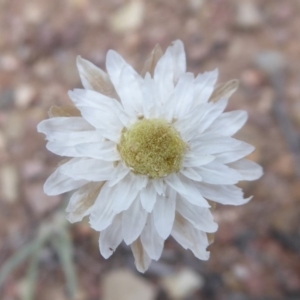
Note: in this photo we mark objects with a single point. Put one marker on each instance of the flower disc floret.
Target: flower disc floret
(152, 147)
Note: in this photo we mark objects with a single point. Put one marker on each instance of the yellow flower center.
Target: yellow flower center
(152, 147)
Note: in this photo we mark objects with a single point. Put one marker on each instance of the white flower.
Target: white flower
(148, 153)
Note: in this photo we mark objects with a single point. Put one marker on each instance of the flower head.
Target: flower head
(148, 153)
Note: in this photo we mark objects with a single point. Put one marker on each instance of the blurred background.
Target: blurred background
(256, 250)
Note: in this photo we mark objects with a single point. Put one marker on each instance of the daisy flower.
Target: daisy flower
(148, 155)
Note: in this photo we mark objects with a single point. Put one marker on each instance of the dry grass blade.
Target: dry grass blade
(63, 245)
(12, 263)
(32, 274)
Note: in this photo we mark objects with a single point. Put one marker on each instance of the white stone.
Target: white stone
(123, 284)
(128, 17)
(182, 284)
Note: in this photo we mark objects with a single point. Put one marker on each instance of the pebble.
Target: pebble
(248, 15)
(44, 69)
(129, 17)
(24, 95)
(183, 284)
(241, 271)
(195, 5)
(123, 284)
(94, 17)
(9, 182)
(9, 62)
(33, 13)
(252, 78)
(271, 62)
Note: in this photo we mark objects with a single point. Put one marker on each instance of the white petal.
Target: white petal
(193, 118)
(99, 109)
(111, 134)
(200, 217)
(228, 123)
(129, 90)
(133, 221)
(64, 133)
(189, 125)
(141, 258)
(164, 213)
(114, 66)
(94, 99)
(235, 154)
(148, 197)
(58, 183)
(190, 238)
(159, 186)
(187, 189)
(59, 149)
(103, 211)
(218, 173)
(247, 168)
(194, 159)
(225, 149)
(178, 56)
(224, 194)
(87, 169)
(63, 124)
(183, 95)
(191, 174)
(163, 76)
(207, 143)
(150, 102)
(204, 86)
(100, 118)
(212, 114)
(119, 172)
(126, 191)
(74, 138)
(93, 78)
(151, 241)
(82, 201)
(105, 150)
(111, 237)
